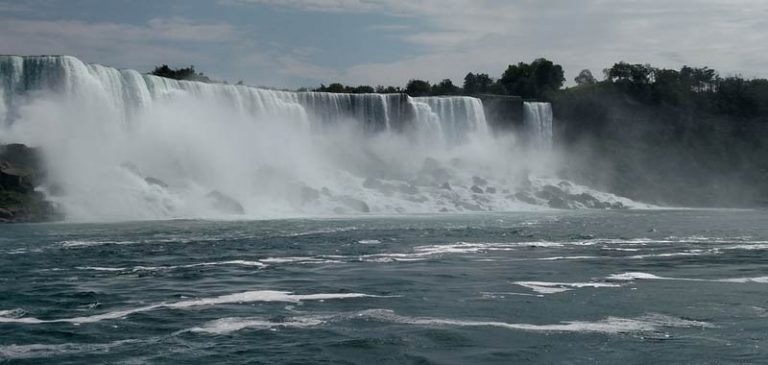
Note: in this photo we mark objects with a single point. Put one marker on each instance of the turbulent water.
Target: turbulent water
(120, 145)
(548, 287)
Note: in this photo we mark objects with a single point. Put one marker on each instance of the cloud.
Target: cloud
(159, 40)
(485, 35)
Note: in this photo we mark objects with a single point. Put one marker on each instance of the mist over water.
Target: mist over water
(120, 145)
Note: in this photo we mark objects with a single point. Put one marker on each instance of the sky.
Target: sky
(296, 43)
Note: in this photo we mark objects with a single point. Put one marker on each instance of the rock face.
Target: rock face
(20, 172)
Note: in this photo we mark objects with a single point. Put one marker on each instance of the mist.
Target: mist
(119, 145)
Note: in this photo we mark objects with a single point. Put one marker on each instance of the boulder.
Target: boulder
(525, 198)
(558, 203)
(477, 190)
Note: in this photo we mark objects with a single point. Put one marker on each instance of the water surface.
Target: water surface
(546, 287)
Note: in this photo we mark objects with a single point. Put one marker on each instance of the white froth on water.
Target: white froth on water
(545, 287)
(609, 325)
(228, 325)
(32, 351)
(174, 267)
(244, 297)
(631, 276)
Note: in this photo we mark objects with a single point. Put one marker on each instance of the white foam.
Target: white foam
(610, 325)
(244, 297)
(174, 267)
(760, 279)
(674, 254)
(369, 242)
(561, 258)
(32, 351)
(228, 325)
(300, 260)
(631, 276)
(545, 287)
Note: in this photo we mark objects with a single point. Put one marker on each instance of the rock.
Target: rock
(549, 192)
(479, 181)
(446, 186)
(224, 203)
(565, 184)
(558, 203)
(589, 201)
(477, 190)
(526, 198)
(618, 205)
(21, 171)
(154, 181)
(490, 190)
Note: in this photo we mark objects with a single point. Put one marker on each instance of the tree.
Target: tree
(477, 84)
(536, 80)
(363, 89)
(418, 88)
(187, 73)
(445, 87)
(585, 78)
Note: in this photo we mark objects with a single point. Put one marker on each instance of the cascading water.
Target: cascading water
(123, 145)
(537, 118)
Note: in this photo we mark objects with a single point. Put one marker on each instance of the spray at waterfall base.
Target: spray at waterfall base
(120, 145)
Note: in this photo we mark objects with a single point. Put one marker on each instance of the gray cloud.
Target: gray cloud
(484, 35)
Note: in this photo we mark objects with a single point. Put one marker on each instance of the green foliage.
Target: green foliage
(537, 80)
(187, 73)
(585, 78)
(478, 84)
(339, 89)
(418, 88)
(446, 87)
(685, 136)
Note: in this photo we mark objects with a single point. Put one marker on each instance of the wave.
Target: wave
(244, 297)
(632, 276)
(609, 325)
(545, 287)
(174, 267)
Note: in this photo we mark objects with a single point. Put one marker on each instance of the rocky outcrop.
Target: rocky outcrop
(20, 173)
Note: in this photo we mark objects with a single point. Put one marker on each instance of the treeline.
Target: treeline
(537, 80)
(687, 136)
(184, 73)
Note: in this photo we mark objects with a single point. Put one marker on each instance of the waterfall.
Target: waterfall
(459, 117)
(120, 145)
(537, 118)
